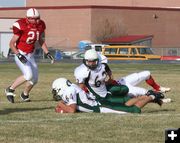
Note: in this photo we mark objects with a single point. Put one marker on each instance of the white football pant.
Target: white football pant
(29, 69)
(108, 110)
(134, 79)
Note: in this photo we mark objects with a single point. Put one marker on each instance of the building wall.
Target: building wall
(68, 24)
(65, 28)
(143, 3)
(6, 25)
(164, 25)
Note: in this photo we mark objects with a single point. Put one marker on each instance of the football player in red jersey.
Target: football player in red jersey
(27, 31)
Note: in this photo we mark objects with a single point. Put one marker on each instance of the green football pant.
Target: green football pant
(118, 90)
(116, 99)
(120, 107)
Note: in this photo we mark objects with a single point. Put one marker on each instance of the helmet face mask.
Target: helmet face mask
(58, 87)
(93, 64)
(56, 97)
(91, 59)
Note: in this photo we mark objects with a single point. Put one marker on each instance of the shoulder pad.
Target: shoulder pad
(81, 71)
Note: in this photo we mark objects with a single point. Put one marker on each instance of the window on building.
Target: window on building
(12, 3)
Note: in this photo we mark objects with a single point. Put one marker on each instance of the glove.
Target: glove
(50, 57)
(22, 58)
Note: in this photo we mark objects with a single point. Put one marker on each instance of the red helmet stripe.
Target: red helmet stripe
(33, 11)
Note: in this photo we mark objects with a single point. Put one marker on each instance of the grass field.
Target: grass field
(36, 121)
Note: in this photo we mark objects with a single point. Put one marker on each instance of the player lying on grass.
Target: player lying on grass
(73, 99)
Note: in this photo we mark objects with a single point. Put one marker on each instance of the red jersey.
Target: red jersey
(28, 34)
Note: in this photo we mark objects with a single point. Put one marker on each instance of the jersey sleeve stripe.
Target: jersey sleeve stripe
(16, 24)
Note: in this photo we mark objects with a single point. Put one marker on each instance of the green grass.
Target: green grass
(36, 121)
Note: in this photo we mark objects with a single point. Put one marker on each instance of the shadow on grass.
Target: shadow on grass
(12, 110)
(161, 111)
(34, 100)
(45, 100)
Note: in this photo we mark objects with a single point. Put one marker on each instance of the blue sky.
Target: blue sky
(12, 3)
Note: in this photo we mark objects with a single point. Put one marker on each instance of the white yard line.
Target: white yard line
(46, 120)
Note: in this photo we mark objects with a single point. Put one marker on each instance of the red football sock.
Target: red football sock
(114, 82)
(152, 83)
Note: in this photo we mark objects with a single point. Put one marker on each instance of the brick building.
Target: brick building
(70, 21)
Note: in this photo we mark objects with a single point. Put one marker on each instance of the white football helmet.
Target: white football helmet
(58, 87)
(32, 13)
(91, 56)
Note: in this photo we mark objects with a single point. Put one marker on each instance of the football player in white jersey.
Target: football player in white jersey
(132, 81)
(93, 76)
(73, 99)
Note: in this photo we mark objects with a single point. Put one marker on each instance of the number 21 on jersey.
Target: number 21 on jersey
(32, 37)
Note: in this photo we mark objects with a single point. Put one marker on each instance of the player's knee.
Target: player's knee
(119, 90)
(146, 74)
(124, 89)
(28, 76)
(34, 81)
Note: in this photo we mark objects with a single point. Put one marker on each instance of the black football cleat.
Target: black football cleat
(158, 96)
(10, 94)
(25, 98)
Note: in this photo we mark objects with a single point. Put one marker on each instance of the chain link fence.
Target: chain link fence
(167, 51)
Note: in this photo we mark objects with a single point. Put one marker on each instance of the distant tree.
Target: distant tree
(108, 29)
